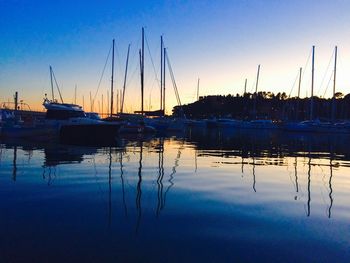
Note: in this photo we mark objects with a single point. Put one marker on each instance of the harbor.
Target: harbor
(174, 131)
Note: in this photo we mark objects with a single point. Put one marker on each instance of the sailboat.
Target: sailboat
(315, 125)
(258, 123)
(135, 123)
(311, 124)
(158, 119)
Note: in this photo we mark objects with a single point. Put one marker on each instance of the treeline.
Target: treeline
(266, 105)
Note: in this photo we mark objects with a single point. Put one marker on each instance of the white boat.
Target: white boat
(75, 127)
(62, 114)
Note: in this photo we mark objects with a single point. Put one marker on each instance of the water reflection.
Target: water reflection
(205, 184)
(123, 183)
(263, 149)
(160, 199)
(14, 171)
(139, 190)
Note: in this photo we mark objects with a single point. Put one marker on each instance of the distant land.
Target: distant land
(266, 105)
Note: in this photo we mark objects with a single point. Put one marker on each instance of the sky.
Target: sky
(222, 42)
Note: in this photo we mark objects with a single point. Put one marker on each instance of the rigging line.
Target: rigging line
(133, 55)
(296, 78)
(173, 80)
(129, 82)
(306, 64)
(103, 71)
(330, 79)
(154, 68)
(119, 64)
(305, 67)
(325, 73)
(58, 88)
(132, 75)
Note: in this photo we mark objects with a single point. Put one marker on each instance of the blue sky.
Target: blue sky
(221, 42)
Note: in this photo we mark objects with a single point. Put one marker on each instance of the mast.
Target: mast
(125, 76)
(299, 86)
(334, 78)
(142, 64)
(198, 89)
(164, 56)
(15, 97)
(16, 100)
(161, 73)
(52, 92)
(257, 80)
(256, 90)
(245, 87)
(312, 84)
(112, 79)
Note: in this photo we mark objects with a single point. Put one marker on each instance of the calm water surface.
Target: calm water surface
(202, 196)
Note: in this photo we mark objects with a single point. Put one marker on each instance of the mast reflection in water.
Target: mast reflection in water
(215, 195)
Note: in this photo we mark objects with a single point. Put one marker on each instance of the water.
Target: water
(202, 196)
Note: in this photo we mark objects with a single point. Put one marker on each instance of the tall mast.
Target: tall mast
(164, 56)
(198, 89)
(312, 84)
(112, 79)
(16, 101)
(142, 60)
(125, 76)
(334, 78)
(299, 86)
(245, 87)
(256, 90)
(161, 73)
(257, 80)
(52, 92)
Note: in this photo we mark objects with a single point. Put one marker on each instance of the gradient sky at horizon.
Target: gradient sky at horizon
(221, 42)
